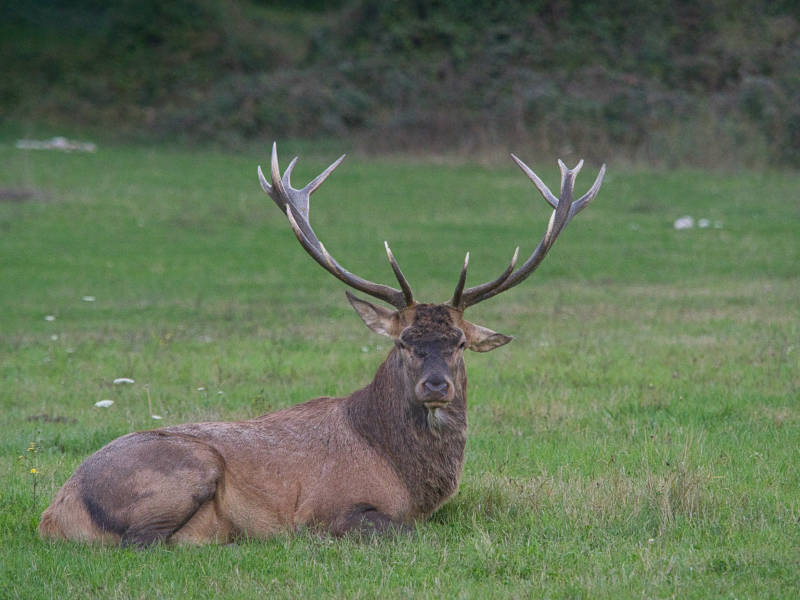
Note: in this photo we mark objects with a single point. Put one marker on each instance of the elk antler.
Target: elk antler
(564, 209)
(295, 203)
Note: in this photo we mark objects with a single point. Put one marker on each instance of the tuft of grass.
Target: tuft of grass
(639, 438)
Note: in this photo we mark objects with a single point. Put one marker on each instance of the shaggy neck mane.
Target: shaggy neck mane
(426, 450)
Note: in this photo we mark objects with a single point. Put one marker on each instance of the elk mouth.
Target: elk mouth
(434, 404)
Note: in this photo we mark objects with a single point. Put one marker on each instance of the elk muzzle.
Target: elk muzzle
(435, 388)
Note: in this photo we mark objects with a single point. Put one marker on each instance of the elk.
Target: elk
(377, 460)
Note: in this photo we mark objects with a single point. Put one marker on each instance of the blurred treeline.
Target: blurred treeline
(660, 81)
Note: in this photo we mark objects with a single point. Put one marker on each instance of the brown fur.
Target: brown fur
(381, 458)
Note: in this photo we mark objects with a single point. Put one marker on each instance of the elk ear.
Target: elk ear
(379, 319)
(482, 339)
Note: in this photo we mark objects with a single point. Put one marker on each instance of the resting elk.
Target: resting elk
(380, 459)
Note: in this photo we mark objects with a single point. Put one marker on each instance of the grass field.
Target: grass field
(640, 438)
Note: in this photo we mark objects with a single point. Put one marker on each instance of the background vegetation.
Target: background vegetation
(639, 438)
(652, 81)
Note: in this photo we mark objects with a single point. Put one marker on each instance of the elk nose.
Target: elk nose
(436, 385)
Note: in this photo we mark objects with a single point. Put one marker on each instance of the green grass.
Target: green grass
(639, 438)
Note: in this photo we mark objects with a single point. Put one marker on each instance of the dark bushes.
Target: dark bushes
(659, 81)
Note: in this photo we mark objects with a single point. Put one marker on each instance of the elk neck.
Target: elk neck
(426, 450)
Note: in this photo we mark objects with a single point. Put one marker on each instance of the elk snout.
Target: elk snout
(435, 390)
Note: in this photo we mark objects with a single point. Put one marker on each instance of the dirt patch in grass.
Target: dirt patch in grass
(48, 418)
(11, 195)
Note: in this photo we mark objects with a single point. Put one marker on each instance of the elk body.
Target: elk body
(385, 456)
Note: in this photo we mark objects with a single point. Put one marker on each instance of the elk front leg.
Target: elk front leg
(366, 519)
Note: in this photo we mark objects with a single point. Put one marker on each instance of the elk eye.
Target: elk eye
(462, 345)
(400, 344)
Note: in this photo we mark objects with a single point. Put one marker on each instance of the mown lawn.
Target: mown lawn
(639, 438)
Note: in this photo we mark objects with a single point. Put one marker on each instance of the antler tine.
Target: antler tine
(409, 297)
(565, 209)
(317, 181)
(584, 200)
(295, 204)
(548, 195)
(287, 174)
(463, 299)
(579, 204)
(275, 172)
(565, 169)
(455, 301)
(561, 215)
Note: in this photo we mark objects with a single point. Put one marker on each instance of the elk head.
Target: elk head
(429, 338)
